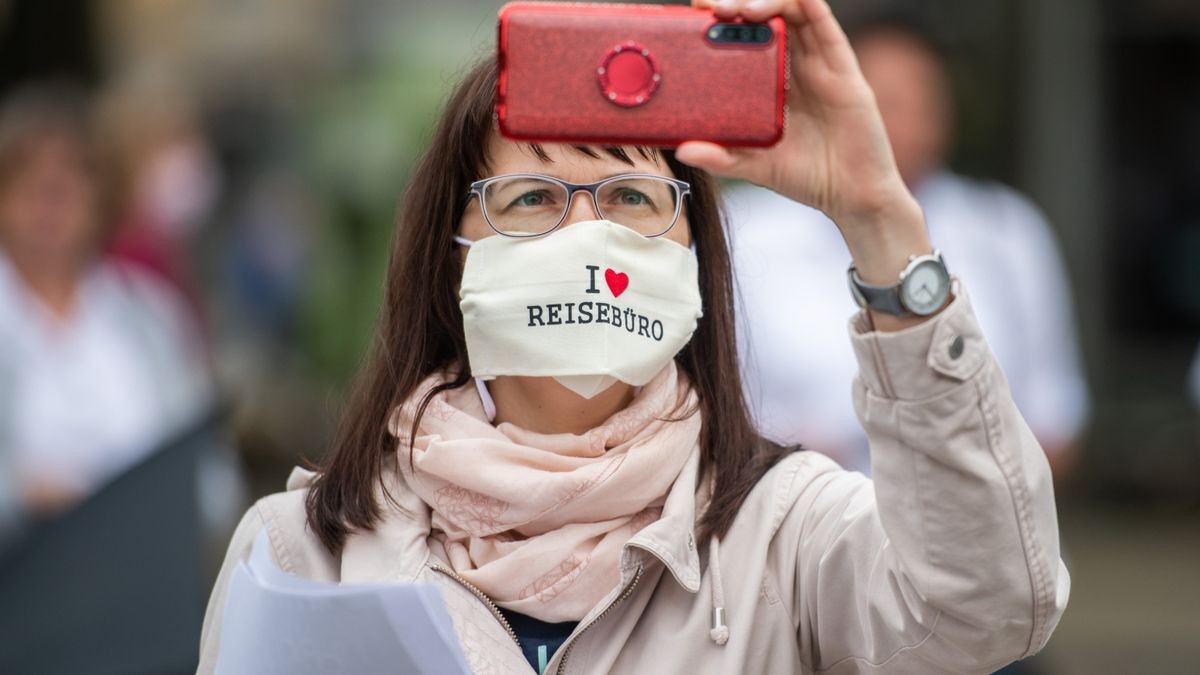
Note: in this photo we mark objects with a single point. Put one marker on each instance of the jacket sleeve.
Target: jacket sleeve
(949, 561)
(239, 550)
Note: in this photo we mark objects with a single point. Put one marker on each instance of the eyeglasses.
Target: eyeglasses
(530, 204)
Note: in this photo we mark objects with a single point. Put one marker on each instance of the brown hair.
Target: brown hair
(39, 110)
(420, 331)
(58, 110)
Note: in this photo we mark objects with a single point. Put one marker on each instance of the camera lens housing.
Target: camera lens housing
(739, 34)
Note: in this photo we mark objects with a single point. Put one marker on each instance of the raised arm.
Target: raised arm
(834, 155)
(949, 561)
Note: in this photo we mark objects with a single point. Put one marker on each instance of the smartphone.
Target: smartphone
(639, 75)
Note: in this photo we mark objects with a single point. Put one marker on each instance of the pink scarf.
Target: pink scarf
(536, 521)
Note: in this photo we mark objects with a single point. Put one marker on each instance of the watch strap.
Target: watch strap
(886, 299)
(882, 298)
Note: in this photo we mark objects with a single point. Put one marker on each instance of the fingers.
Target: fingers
(820, 20)
(824, 34)
(724, 9)
(813, 20)
(720, 161)
(704, 155)
(792, 11)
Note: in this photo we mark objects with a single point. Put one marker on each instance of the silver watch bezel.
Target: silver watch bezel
(940, 294)
(899, 293)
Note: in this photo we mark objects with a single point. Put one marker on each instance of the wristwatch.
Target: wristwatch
(922, 289)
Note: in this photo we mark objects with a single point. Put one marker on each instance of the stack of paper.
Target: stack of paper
(276, 622)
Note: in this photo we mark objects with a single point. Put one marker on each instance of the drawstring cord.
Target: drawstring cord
(720, 632)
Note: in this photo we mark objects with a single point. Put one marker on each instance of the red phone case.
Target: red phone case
(635, 75)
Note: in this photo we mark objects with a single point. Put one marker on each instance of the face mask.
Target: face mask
(589, 304)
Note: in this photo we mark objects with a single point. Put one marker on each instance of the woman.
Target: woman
(579, 523)
(100, 363)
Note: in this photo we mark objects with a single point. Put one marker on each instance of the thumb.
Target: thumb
(724, 162)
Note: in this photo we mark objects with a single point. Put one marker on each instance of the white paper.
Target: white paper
(275, 622)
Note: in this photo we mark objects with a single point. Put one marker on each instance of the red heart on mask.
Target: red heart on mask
(617, 282)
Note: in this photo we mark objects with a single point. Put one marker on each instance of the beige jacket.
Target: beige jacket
(947, 563)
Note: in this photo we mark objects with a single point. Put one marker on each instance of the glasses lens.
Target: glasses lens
(647, 205)
(523, 206)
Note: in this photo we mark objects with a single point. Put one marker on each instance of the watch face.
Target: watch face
(925, 288)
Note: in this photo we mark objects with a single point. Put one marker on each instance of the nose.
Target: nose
(581, 208)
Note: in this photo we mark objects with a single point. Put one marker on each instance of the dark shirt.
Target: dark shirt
(538, 636)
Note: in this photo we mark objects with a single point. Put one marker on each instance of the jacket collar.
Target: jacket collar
(672, 537)
(397, 548)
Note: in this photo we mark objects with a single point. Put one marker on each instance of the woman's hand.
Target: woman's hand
(834, 155)
(45, 498)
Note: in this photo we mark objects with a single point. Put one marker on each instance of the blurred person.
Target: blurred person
(269, 255)
(100, 362)
(626, 511)
(798, 367)
(166, 180)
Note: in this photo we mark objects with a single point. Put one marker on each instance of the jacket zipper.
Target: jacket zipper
(562, 664)
(482, 596)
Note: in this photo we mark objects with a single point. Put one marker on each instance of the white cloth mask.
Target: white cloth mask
(589, 304)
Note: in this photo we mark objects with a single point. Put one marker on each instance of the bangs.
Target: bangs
(619, 152)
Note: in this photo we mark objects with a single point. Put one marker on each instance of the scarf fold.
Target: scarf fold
(538, 521)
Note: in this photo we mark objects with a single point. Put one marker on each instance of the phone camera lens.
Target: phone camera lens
(730, 33)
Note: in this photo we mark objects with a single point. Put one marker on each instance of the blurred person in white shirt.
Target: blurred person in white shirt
(99, 364)
(992, 237)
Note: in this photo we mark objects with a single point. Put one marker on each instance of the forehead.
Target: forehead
(568, 162)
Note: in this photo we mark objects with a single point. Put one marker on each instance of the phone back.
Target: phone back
(636, 74)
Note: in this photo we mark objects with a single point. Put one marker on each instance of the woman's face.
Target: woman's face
(48, 206)
(570, 165)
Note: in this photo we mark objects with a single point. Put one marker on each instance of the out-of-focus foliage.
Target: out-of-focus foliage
(360, 137)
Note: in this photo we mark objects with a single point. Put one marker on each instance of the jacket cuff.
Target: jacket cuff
(925, 360)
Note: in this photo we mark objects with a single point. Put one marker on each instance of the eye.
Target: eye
(631, 197)
(531, 198)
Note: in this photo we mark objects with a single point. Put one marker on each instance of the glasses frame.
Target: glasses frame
(478, 187)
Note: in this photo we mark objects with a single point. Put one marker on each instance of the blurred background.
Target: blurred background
(206, 249)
